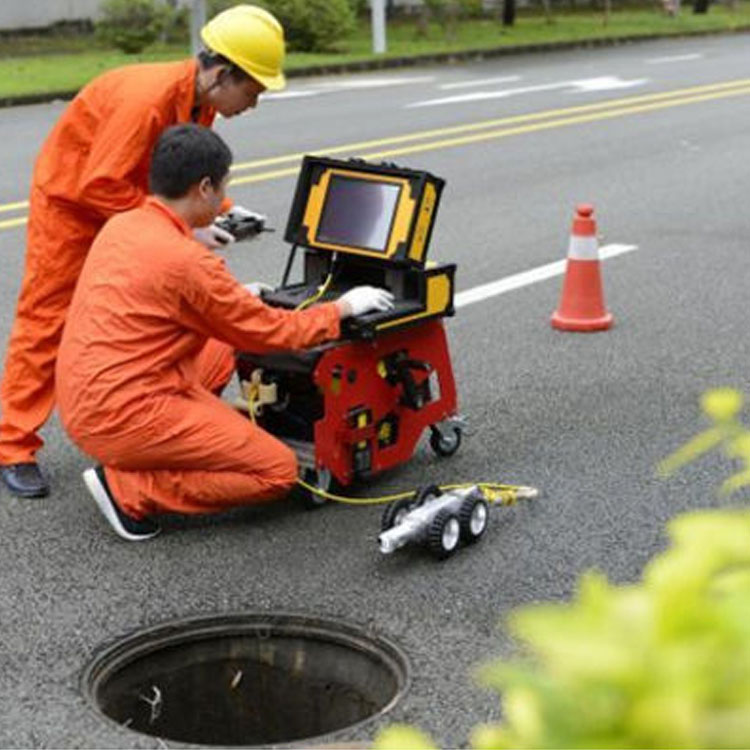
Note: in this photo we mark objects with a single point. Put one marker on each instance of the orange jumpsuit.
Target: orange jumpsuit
(150, 335)
(93, 164)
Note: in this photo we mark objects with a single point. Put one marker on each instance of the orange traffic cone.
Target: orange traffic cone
(581, 305)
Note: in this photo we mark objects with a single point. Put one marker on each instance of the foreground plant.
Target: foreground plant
(664, 663)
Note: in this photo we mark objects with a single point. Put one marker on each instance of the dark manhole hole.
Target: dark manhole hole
(246, 679)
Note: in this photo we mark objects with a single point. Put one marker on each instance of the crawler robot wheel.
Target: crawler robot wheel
(443, 534)
(428, 492)
(394, 513)
(473, 516)
(445, 445)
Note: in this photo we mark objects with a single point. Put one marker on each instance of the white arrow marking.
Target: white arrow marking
(602, 83)
(483, 82)
(509, 283)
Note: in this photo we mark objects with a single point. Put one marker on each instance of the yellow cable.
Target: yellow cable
(494, 492)
(252, 393)
(321, 291)
(355, 500)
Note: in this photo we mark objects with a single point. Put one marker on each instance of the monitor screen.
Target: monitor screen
(358, 213)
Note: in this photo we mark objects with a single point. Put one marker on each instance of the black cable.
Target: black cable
(289, 263)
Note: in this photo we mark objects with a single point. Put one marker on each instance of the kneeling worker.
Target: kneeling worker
(149, 340)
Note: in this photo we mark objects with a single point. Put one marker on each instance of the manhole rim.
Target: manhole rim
(114, 655)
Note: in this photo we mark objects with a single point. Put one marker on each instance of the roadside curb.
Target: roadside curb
(426, 59)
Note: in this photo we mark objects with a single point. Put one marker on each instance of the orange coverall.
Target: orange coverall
(93, 164)
(150, 334)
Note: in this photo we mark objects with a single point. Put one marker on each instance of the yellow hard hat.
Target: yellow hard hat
(252, 39)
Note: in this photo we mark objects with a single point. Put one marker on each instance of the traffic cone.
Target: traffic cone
(581, 305)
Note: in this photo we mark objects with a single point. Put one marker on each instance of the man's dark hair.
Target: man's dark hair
(183, 156)
(209, 59)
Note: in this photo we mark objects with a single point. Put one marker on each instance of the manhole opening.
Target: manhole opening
(246, 679)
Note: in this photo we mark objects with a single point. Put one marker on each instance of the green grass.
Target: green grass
(31, 65)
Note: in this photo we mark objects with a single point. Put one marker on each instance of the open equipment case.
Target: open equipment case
(354, 407)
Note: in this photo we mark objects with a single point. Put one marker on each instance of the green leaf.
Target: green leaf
(693, 449)
(403, 737)
(722, 404)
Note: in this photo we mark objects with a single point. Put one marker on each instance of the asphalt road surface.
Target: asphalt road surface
(655, 136)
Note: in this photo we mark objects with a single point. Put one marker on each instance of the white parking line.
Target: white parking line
(674, 58)
(509, 283)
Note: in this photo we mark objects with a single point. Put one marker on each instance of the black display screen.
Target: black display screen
(358, 213)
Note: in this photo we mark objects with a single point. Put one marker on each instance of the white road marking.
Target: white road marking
(349, 84)
(541, 273)
(601, 83)
(374, 83)
(674, 58)
(291, 94)
(483, 82)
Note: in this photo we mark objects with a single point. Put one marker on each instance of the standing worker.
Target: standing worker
(150, 339)
(94, 164)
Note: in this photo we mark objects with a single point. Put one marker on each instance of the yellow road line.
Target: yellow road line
(485, 124)
(505, 132)
(553, 124)
(528, 123)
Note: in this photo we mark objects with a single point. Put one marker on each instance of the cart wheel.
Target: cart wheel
(473, 516)
(443, 534)
(322, 479)
(394, 513)
(443, 444)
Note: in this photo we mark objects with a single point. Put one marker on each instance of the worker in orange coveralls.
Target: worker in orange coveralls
(150, 340)
(94, 164)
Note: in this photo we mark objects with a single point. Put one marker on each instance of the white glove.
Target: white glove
(212, 236)
(256, 287)
(364, 299)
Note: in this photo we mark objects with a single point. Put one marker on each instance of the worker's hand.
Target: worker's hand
(212, 236)
(364, 299)
(257, 287)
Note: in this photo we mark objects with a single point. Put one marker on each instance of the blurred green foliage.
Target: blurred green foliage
(403, 737)
(129, 25)
(309, 25)
(722, 406)
(663, 663)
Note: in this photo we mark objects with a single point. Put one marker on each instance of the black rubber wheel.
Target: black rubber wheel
(312, 500)
(426, 493)
(473, 516)
(395, 511)
(445, 445)
(443, 534)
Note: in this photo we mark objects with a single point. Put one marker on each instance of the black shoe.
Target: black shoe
(25, 480)
(132, 529)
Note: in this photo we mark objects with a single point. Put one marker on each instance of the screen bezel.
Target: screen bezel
(402, 222)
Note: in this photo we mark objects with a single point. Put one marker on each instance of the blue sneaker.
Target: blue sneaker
(25, 479)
